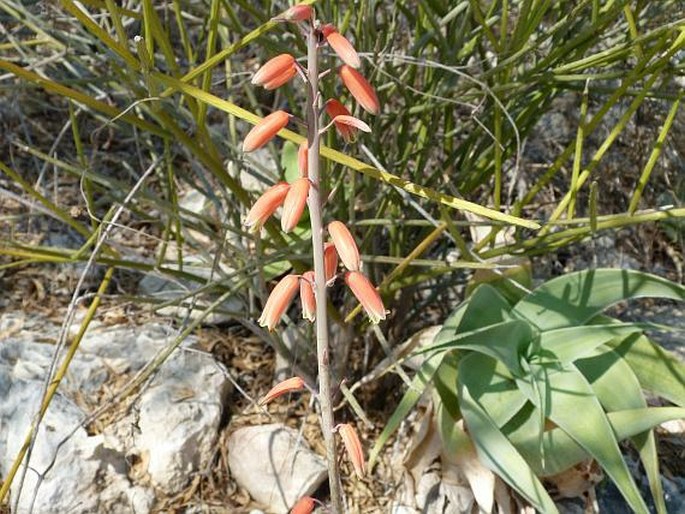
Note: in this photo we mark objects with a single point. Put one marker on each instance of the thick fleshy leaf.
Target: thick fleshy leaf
(487, 306)
(658, 370)
(484, 307)
(571, 343)
(494, 386)
(506, 341)
(612, 380)
(575, 298)
(458, 448)
(617, 388)
(561, 450)
(445, 381)
(495, 450)
(418, 385)
(570, 402)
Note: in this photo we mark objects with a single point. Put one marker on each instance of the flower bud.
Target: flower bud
(345, 245)
(294, 204)
(353, 447)
(279, 69)
(290, 385)
(278, 301)
(303, 159)
(351, 121)
(360, 89)
(296, 13)
(334, 109)
(266, 205)
(307, 296)
(330, 260)
(265, 130)
(366, 294)
(304, 505)
(341, 46)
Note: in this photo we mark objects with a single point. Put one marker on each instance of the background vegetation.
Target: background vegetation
(121, 125)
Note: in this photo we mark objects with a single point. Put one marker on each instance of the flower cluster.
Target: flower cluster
(293, 197)
(342, 246)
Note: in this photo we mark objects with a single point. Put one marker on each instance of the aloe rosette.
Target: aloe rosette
(549, 381)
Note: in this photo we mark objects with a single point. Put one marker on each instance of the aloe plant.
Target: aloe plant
(513, 369)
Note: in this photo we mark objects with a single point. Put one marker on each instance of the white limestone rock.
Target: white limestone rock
(274, 465)
(84, 474)
(172, 426)
(179, 417)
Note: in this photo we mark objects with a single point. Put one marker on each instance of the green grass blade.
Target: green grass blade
(58, 212)
(341, 158)
(653, 157)
(100, 34)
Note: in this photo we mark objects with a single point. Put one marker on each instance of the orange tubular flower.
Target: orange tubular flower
(287, 386)
(294, 203)
(265, 130)
(341, 45)
(304, 505)
(360, 89)
(335, 109)
(351, 121)
(345, 245)
(296, 13)
(303, 159)
(330, 261)
(307, 296)
(367, 295)
(278, 301)
(281, 79)
(353, 447)
(266, 205)
(274, 69)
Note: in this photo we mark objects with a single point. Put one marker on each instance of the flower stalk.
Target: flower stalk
(316, 217)
(307, 190)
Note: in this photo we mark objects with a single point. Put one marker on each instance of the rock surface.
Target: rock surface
(171, 428)
(179, 417)
(274, 465)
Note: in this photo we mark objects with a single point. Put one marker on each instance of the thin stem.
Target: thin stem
(314, 201)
